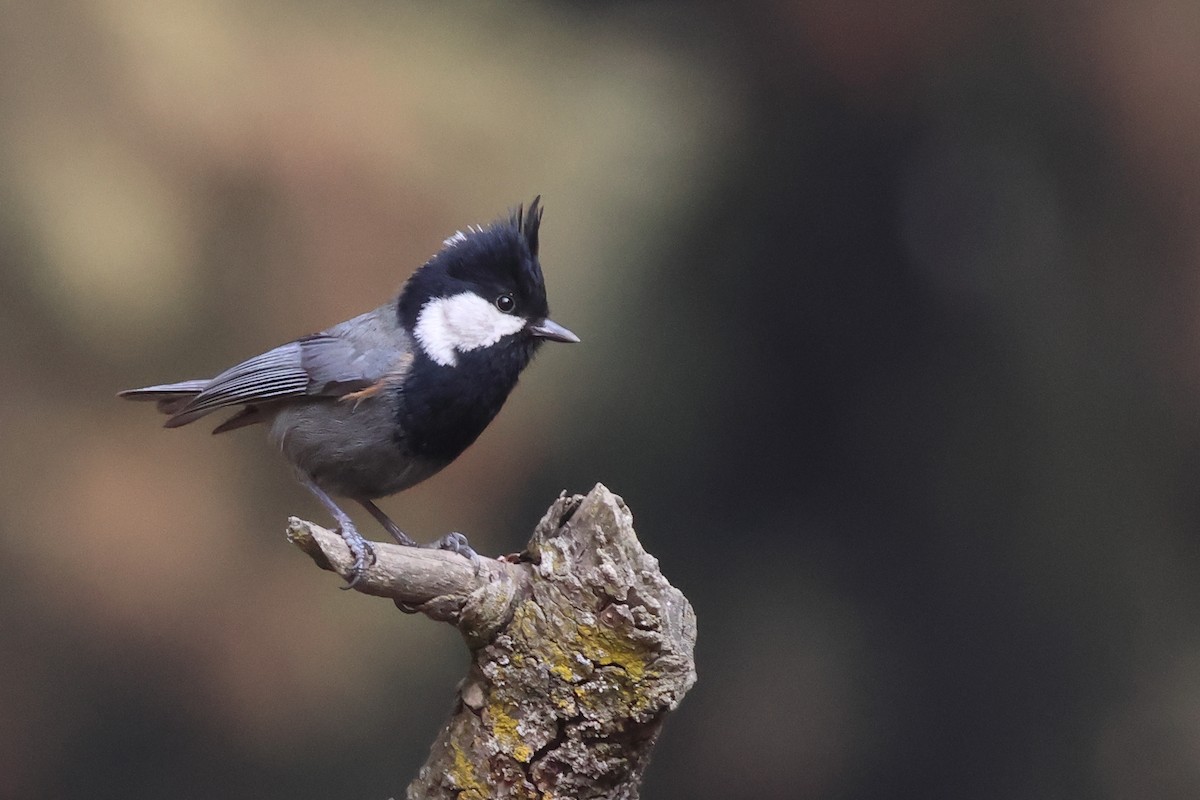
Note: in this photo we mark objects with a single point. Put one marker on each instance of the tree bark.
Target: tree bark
(579, 650)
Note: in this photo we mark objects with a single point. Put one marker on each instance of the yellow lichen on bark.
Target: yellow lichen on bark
(606, 647)
(464, 778)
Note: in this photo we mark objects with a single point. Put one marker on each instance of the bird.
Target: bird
(381, 402)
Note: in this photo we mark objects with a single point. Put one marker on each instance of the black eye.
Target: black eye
(506, 303)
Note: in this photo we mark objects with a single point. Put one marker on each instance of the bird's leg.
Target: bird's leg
(400, 536)
(360, 548)
(454, 542)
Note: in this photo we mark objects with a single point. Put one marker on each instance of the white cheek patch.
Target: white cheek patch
(447, 326)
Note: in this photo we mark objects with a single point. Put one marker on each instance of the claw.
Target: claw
(457, 542)
(364, 556)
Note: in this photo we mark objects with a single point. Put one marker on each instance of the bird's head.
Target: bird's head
(483, 288)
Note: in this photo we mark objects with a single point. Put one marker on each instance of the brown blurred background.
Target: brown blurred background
(891, 324)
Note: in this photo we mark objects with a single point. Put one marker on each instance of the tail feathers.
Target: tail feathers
(170, 398)
(165, 390)
(247, 416)
(177, 419)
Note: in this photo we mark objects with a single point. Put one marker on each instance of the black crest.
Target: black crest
(501, 258)
(529, 223)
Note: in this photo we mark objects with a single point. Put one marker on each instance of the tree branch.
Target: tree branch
(578, 653)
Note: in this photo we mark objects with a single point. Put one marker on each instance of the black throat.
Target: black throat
(444, 409)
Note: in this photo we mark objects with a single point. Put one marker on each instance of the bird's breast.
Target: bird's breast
(444, 409)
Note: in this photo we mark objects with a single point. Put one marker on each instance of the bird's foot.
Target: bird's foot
(361, 550)
(457, 542)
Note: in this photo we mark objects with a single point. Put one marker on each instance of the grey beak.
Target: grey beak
(549, 329)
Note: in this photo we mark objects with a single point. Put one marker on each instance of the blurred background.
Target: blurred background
(891, 340)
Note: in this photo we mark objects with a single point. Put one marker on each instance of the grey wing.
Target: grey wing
(318, 365)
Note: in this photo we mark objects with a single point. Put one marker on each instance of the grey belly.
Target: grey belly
(347, 450)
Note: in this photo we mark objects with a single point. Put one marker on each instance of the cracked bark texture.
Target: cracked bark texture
(579, 651)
